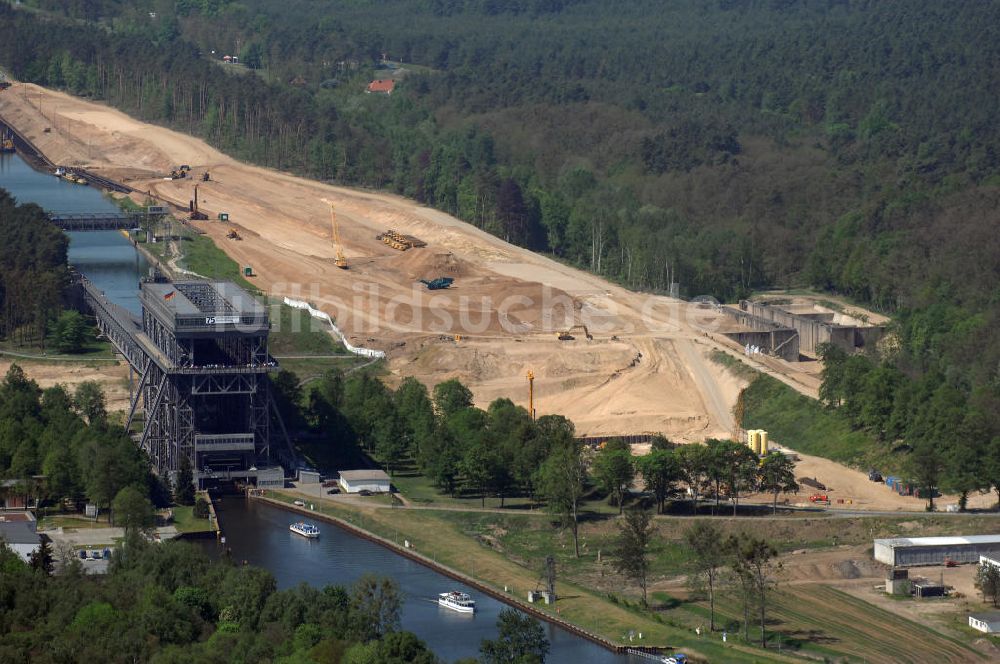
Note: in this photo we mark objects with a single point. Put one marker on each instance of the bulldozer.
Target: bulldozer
(567, 335)
(233, 235)
(205, 177)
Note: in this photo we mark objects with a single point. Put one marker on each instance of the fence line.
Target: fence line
(316, 313)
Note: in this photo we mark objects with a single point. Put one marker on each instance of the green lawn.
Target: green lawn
(72, 522)
(295, 332)
(201, 255)
(185, 521)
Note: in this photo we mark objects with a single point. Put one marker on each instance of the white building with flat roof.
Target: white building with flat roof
(17, 531)
(985, 622)
(353, 481)
(909, 551)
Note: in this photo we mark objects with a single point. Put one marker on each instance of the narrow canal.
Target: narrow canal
(106, 257)
(259, 533)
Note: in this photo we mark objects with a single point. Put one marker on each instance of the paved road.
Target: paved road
(315, 492)
(715, 402)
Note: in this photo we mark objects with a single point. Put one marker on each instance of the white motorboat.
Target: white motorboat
(457, 601)
(305, 529)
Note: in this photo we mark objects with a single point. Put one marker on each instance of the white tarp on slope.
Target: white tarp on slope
(316, 313)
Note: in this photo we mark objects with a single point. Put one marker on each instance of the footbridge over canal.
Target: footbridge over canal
(98, 221)
(200, 352)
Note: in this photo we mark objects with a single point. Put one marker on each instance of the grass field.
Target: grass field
(69, 522)
(820, 618)
(185, 521)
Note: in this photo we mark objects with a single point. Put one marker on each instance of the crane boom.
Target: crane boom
(341, 260)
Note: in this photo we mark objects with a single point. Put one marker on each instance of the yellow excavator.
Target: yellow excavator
(340, 260)
(566, 335)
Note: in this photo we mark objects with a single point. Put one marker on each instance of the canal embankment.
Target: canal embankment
(413, 536)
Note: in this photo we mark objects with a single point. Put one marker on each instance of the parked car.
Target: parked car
(96, 554)
(364, 492)
(299, 503)
(333, 491)
(83, 554)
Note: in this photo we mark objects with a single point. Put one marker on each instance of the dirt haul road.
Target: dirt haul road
(646, 369)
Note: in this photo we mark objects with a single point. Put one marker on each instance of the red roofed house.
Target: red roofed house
(383, 85)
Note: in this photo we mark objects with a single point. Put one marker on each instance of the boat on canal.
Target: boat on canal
(307, 530)
(457, 601)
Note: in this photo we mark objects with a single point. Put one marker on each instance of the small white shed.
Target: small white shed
(985, 622)
(353, 481)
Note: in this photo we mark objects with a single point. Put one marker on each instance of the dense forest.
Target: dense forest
(169, 603)
(33, 272)
(727, 146)
(67, 438)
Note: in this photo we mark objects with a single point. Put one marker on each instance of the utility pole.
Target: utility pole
(531, 394)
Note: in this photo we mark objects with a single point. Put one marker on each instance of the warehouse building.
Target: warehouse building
(909, 551)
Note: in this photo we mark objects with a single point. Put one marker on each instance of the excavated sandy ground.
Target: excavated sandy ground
(646, 369)
(506, 303)
(113, 378)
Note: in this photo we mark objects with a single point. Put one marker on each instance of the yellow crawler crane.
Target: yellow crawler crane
(340, 260)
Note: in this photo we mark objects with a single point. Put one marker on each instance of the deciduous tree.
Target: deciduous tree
(661, 472)
(632, 545)
(521, 640)
(562, 482)
(709, 560)
(777, 475)
(614, 472)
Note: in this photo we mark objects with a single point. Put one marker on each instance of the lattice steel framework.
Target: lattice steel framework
(204, 390)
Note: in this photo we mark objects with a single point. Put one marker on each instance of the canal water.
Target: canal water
(259, 533)
(107, 258)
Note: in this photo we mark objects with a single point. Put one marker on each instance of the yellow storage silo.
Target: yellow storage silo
(753, 440)
(763, 442)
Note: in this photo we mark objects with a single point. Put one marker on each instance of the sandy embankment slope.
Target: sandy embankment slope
(672, 388)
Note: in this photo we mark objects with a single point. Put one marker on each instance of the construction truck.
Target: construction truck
(196, 214)
(205, 177)
(177, 174)
(438, 284)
